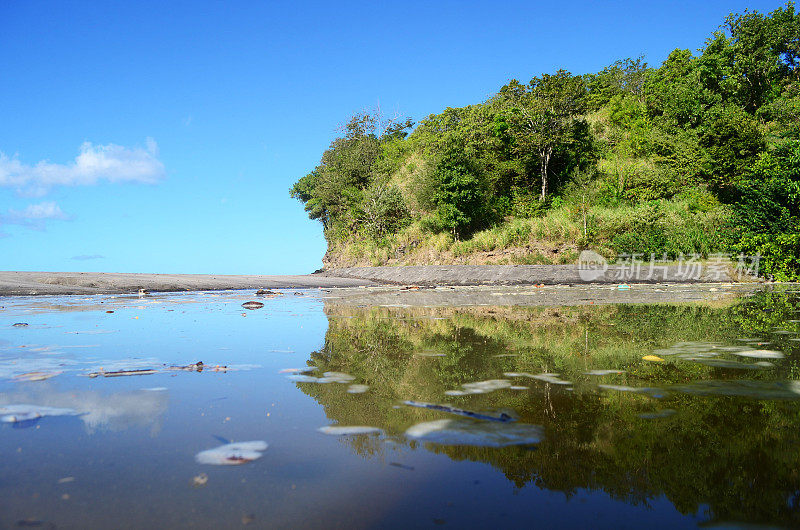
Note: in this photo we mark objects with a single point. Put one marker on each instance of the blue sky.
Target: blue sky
(164, 136)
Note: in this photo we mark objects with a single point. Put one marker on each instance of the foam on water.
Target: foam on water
(475, 433)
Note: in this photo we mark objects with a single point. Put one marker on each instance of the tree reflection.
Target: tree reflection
(731, 458)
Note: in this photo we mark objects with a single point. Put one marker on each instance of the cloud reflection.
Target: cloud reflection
(101, 411)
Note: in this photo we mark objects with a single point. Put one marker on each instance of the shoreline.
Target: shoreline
(19, 283)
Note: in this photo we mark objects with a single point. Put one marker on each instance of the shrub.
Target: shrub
(780, 254)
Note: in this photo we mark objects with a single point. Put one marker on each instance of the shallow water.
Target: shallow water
(590, 433)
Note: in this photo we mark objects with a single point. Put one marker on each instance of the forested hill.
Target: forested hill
(699, 155)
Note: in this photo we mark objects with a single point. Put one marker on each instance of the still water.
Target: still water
(603, 416)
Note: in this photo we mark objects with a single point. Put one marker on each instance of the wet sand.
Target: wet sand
(475, 284)
(59, 283)
(546, 295)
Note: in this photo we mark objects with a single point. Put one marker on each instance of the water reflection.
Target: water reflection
(112, 411)
(398, 417)
(717, 437)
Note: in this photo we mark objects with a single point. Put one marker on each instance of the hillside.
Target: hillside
(698, 156)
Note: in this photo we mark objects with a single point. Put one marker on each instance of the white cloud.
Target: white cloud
(34, 215)
(35, 212)
(94, 163)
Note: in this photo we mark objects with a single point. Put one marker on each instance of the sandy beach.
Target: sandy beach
(58, 283)
(67, 283)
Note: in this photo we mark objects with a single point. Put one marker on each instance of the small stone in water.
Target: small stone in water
(252, 305)
(200, 480)
(20, 325)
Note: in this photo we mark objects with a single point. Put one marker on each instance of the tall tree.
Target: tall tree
(334, 190)
(545, 114)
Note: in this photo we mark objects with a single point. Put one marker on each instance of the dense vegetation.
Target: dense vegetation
(700, 155)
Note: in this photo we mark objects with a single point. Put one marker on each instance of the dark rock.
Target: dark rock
(252, 305)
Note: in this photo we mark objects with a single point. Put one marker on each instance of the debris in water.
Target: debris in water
(760, 354)
(604, 372)
(546, 377)
(340, 430)
(297, 370)
(475, 433)
(401, 466)
(36, 376)
(232, 454)
(502, 417)
(33, 523)
(652, 392)
(200, 480)
(336, 377)
(357, 389)
(303, 378)
(723, 363)
(252, 305)
(327, 377)
(621, 388)
(122, 373)
(480, 387)
(653, 358)
(196, 367)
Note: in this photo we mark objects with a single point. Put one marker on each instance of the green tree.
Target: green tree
(545, 114)
(334, 191)
(459, 193)
(625, 77)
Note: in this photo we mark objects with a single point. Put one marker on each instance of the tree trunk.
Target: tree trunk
(545, 159)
